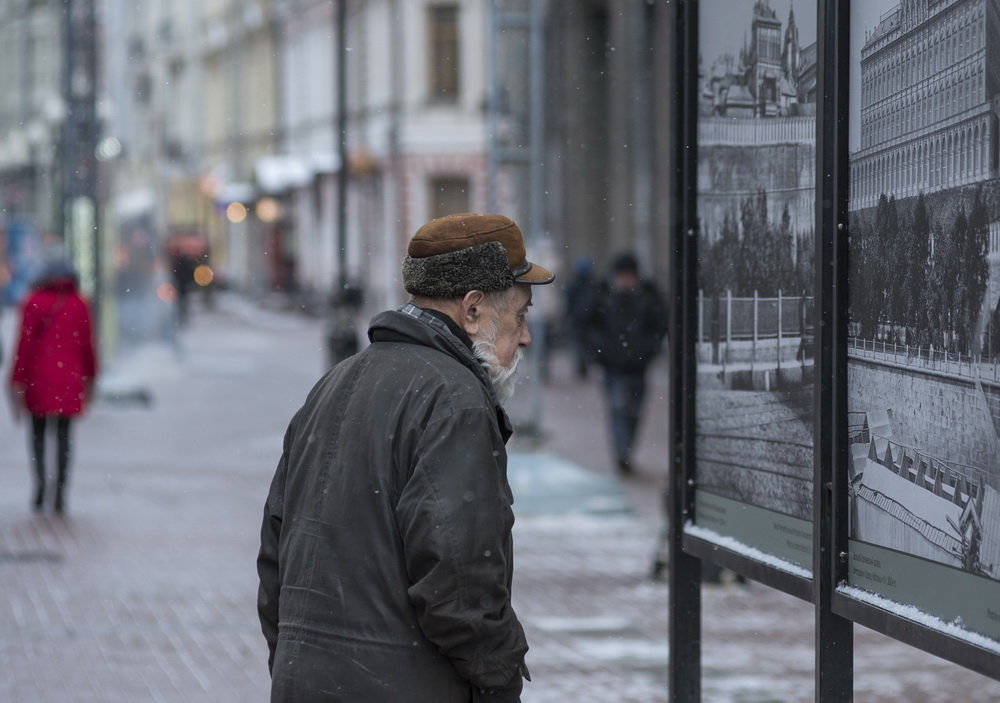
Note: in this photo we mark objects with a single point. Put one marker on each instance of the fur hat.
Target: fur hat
(452, 255)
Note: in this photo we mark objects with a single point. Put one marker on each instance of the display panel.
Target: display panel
(754, 397)
(923, 379)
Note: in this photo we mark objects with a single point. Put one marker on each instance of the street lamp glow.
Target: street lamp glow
(268, 210)
(203, 275)
(109, 149)
(236, 212)
(166, 292)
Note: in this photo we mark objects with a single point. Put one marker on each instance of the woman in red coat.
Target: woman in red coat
(54, 367)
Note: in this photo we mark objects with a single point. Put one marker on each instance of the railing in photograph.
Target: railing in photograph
(960, 484)
(932, 533)
(954, 481)
(857, 428)
(938, 360)
(727, 318)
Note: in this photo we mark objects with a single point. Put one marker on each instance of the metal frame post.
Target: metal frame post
(78, 184)
(834, 634)
(684, 572)
(342, 145)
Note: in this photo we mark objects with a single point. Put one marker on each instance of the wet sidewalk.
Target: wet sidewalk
(145, 590)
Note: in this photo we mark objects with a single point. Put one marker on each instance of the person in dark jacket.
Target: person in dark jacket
(385, 561)
(578, 302)
(628, 322)
(54, 368)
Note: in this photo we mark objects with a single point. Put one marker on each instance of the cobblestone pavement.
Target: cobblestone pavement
(145, 590)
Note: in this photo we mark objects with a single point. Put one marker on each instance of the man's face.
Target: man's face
(512, 326)
(626, 280)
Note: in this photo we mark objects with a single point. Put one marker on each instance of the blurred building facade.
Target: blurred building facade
(230, 128)
(416, 133)
(610, 123)
(31, 110)
(31, 117)
(223, 116)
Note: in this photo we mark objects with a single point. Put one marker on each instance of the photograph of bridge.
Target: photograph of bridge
(756, 205)
(924, 280)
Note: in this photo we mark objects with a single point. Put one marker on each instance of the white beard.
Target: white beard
(504, 378)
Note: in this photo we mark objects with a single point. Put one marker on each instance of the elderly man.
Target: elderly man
(386, 558)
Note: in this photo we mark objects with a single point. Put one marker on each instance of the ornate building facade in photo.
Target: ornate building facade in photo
(929, 84)
(757, 126)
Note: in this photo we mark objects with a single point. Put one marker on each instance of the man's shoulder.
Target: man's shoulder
(649, 286)
(412, 352)
(651, 293)
(417, 363)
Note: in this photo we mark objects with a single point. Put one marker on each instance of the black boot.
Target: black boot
(38, 459)
(60, 503)
(62, 457)
(624, 465)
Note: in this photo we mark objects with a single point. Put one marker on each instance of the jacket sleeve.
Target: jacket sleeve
(657, 315)
(455, 521)
(595, 322)
(88, 354)
(268, 563)
(20, 372)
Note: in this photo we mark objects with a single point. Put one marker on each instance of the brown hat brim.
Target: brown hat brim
(536, 275)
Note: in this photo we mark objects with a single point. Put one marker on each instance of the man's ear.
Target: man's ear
(471, 312)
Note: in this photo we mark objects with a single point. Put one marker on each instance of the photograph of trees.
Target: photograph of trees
(918, 279)
(754, 253)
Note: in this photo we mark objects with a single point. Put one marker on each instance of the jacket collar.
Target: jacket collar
(414, 325)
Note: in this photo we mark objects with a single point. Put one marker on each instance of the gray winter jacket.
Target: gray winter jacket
(386, 559)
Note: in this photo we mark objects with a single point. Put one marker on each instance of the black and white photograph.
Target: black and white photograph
(924, 281)
(756, 211)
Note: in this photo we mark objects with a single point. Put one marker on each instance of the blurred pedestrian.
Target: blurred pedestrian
(579, 299)
(54, 368)
(182, 268)
(385, 559)
(628, 322)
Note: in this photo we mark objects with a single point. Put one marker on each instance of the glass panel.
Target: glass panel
(923, 379)
(756, 207)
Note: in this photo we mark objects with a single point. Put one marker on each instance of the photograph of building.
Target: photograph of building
(756, 208)
(927, 119)
(923, 378)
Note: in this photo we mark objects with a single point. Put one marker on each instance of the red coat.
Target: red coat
(55, 361)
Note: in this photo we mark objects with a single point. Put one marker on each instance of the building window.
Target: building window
(444, 52)
(448, 195)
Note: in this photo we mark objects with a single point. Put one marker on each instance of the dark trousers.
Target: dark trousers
(624, 392)
(39, 423)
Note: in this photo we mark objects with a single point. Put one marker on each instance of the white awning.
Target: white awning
(278, 173)
(235, 192)
(324, 162)
(133, 203)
